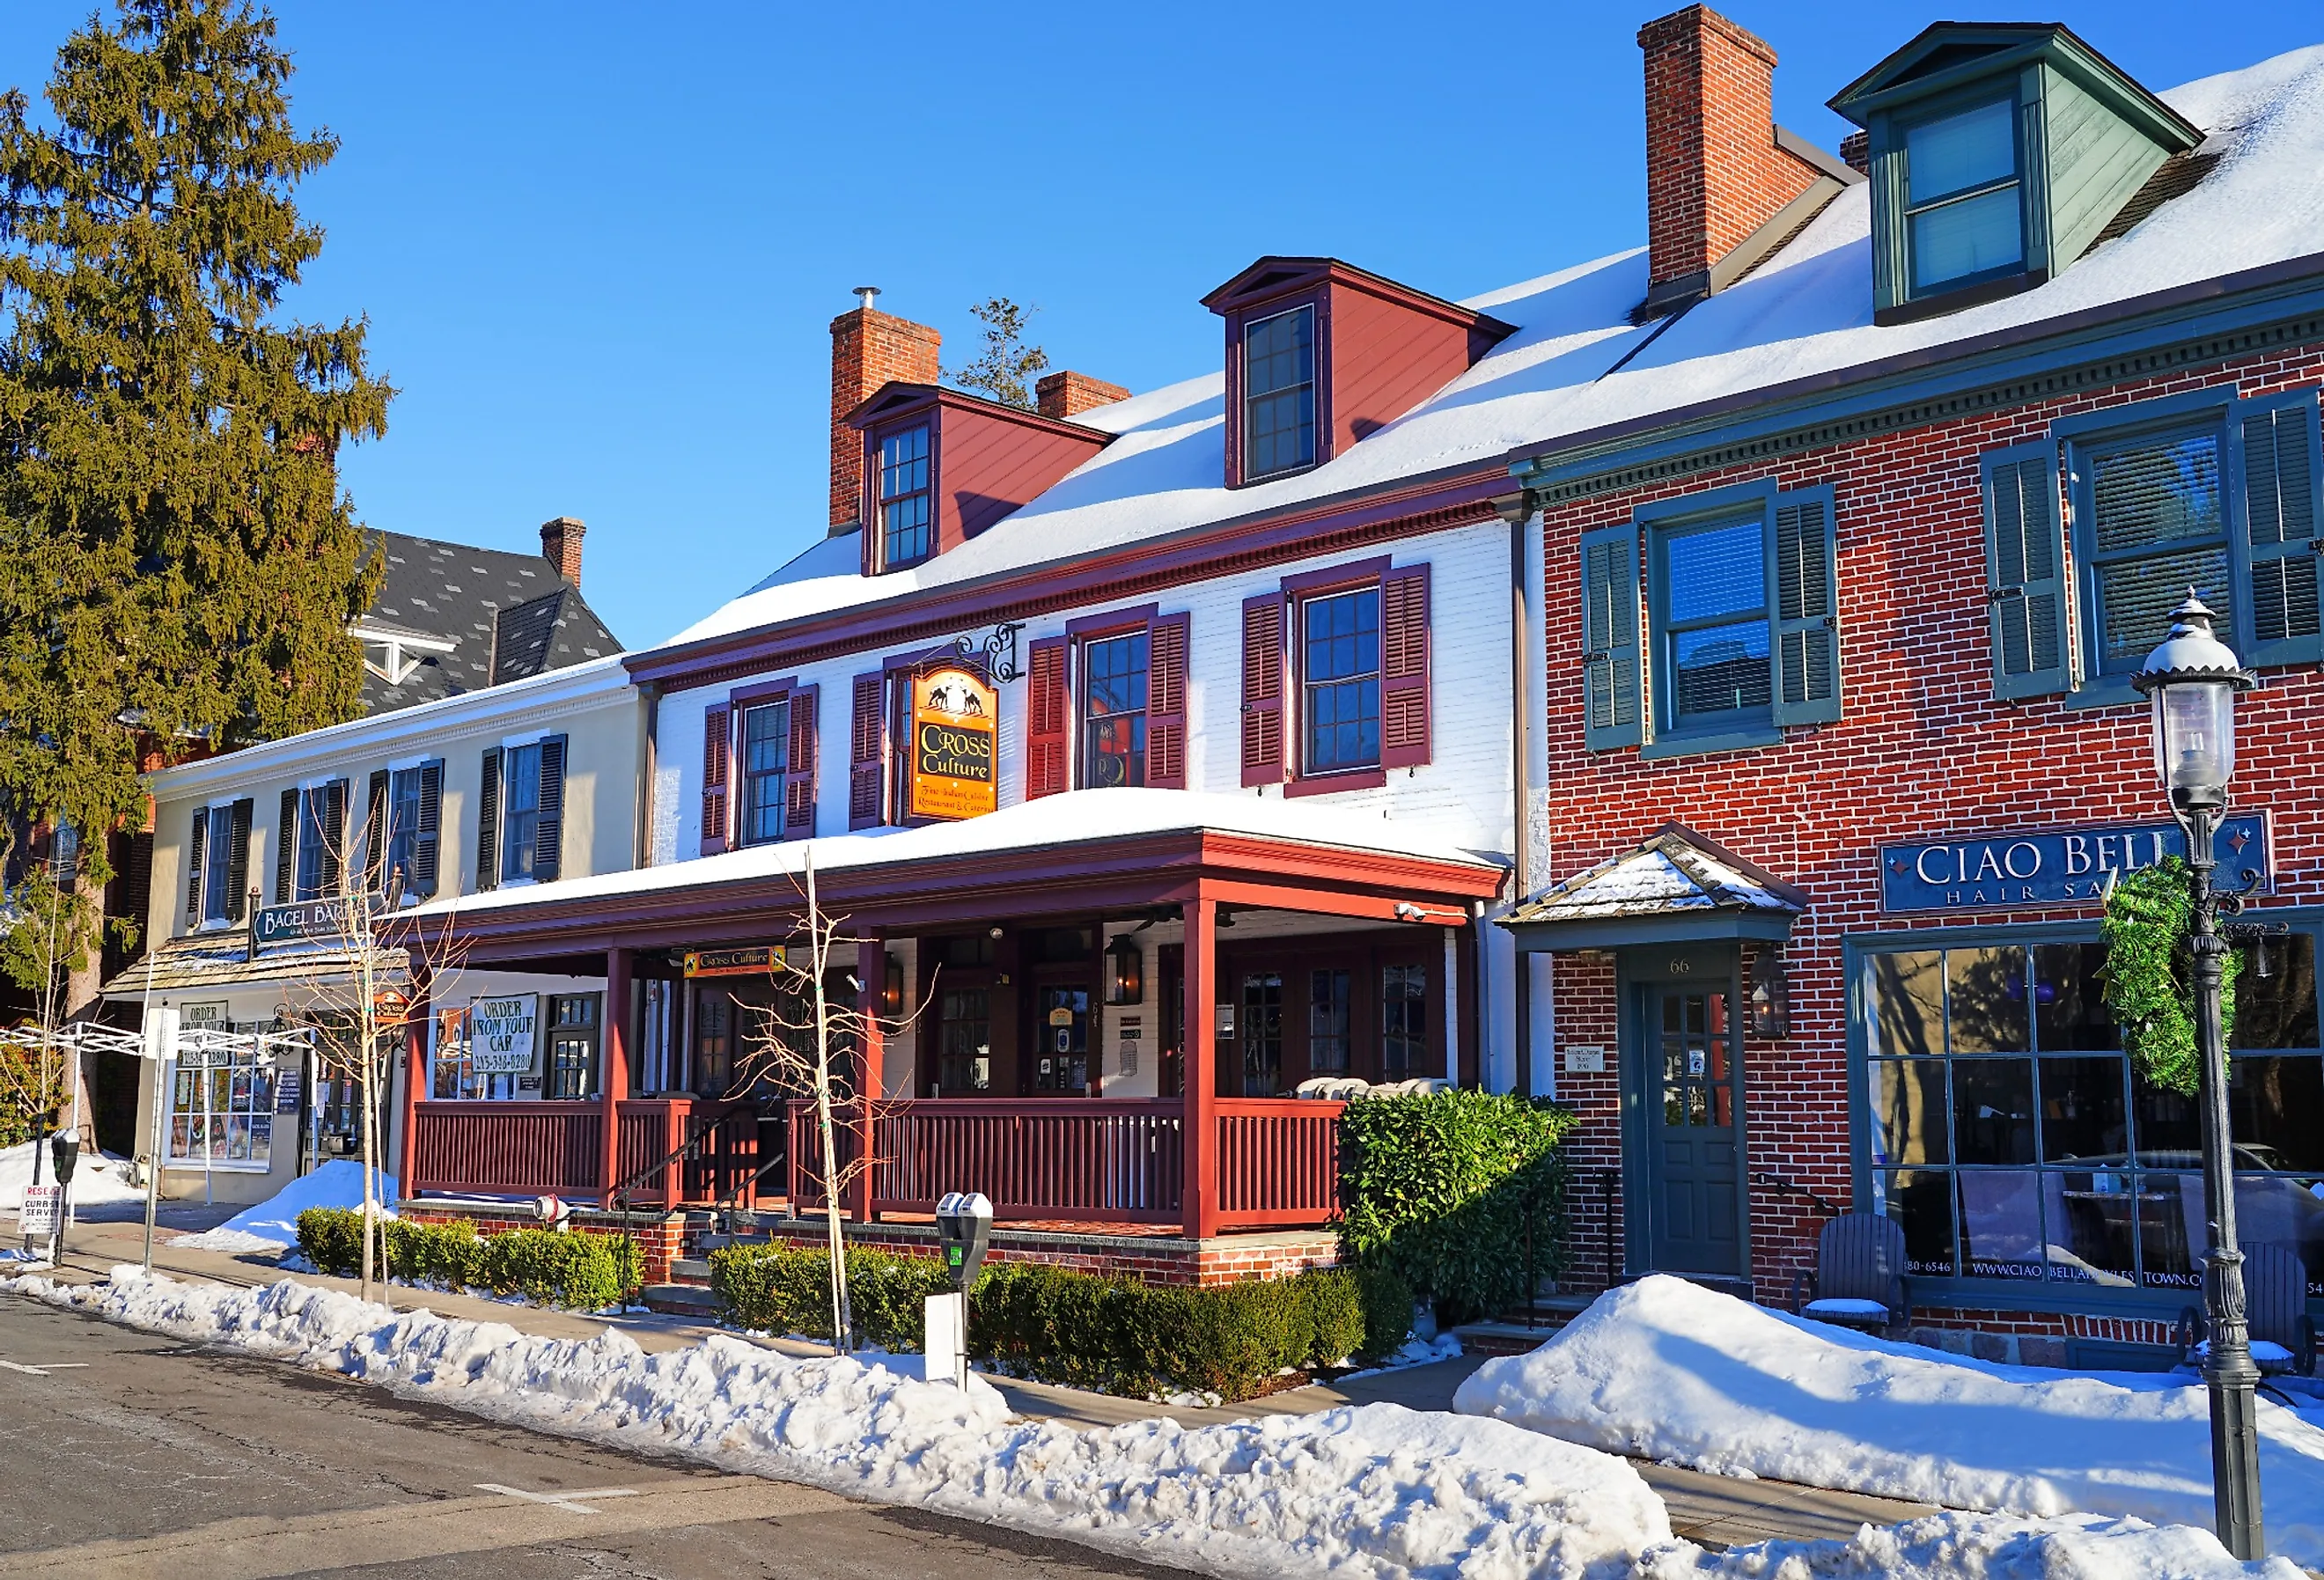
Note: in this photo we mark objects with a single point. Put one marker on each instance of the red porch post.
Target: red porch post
(613, 1060)
(871, 982)
(1198, 1059)
(418, 1020)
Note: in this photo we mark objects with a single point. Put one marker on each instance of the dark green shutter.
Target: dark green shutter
(286, 846)
(488, 822)
(2276, 542)
(333, 819)
(1613, 704)
(1805, 563)
(2024, 582)
(237, 859)
(376, 833)
(548, 827)
(196, 847)
(428, 842)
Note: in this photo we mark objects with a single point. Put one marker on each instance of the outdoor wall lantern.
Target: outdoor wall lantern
(1771, 995)
(891, 991)
(2191, 682)
(1125, 971)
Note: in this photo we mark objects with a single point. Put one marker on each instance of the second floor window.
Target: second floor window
(2157, 527)
(765, 763)
(1717, 658)
(1961, 218)
(1340, 676)
(906, 521)
(217, 885)
(322, 828)
(1279, 374)
(403, 801)
(1114, 698)
(521, 812)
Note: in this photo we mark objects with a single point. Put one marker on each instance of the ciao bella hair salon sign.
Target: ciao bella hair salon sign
(956, 737)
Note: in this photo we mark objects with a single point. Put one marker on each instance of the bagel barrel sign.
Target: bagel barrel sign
(956, 741)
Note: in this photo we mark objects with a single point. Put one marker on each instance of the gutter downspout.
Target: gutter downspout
(649, 770)
(1515, 508)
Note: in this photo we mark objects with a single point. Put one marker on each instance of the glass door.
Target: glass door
(1061, 1032)
(1691, 1049)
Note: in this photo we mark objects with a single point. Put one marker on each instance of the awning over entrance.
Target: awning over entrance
(1678, 887)
(223, 960)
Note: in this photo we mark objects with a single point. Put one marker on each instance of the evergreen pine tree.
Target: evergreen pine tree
(1005, 367)
(177, 562)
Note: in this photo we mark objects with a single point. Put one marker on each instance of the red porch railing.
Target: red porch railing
(507, 1148)
(722, 1160)
(1087, 1160)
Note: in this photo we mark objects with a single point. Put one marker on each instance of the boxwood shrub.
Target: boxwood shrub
(1438, 1190)
(1084, 1330)
(587, 1271)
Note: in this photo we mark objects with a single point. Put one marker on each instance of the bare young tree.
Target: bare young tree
(354, 1018)
(45, 923)
(803, 1045)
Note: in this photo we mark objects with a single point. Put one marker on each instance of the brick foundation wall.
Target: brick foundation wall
(1922, 749)
(2029, 1338)
(659, 1240)
(1151, 1259)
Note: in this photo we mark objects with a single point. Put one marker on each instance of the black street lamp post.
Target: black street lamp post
(2192, 680)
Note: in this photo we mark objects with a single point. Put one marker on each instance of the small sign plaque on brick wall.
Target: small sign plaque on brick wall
(1589, 1060)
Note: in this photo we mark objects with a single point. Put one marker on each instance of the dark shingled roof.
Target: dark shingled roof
(510, 615)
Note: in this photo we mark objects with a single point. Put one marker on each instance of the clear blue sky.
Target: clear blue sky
(600, 243)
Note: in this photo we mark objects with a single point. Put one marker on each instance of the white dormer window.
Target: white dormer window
(395, 654)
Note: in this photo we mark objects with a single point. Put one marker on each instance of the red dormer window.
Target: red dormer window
(907, 521)
(1321, 356)
(1278, 379)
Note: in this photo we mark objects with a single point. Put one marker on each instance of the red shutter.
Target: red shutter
(1262, 690)
(864, 735)
(716, 749)
(1166, 704)
(799, 779)
(1046, 710)
(1404, 667)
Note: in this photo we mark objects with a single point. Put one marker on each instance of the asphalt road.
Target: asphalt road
(122, 1454)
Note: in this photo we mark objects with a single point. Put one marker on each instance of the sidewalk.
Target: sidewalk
(1712, 1510)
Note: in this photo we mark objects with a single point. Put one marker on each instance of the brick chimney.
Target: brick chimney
(1714, 171)
(560, 545)
(869, 348)
(1065, 395)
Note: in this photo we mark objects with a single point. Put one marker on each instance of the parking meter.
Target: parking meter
(965, 1224)
(64, 1151)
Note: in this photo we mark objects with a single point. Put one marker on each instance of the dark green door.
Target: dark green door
(1694, 1131)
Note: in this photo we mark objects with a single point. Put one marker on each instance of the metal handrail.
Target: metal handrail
(700, 1131)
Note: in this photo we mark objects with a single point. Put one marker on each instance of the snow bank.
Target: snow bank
(1375, 1490)
(274, 1224)
(98, 1176)
(1977, 1547)
(1667, 1369)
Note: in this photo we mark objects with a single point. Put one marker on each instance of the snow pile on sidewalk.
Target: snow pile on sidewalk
(98, 1176)
(1976, 1547)
(1669, 1371)
(1375, 1490)
(272, 1225)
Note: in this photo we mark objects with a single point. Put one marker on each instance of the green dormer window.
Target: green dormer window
(1999, 153)
(1963, 220)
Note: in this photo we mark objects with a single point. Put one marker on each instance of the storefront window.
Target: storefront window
(2009, 1137)
(965, 1039)
(1262, 1033)
(222, 1110)
(1404, 1020)
(455, 1074)
(1328, 1022)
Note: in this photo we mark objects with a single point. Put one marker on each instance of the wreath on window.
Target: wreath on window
(2150, 976)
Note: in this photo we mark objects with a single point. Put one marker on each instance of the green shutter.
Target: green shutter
(1614, 707)
(2024, 580)
(2276, 541)
(1804, 601)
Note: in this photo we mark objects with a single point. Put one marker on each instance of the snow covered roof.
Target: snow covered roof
(1675, 876)
(1577, 365)
(205, 962)
(1076, 817)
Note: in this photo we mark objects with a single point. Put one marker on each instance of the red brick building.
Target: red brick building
(1849, 550)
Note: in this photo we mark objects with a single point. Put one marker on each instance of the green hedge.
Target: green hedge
(587, 1271)
(1114, 1334)
(1438, 1190)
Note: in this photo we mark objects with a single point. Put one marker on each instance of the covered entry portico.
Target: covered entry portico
(1094, 1008)
(1677, 917)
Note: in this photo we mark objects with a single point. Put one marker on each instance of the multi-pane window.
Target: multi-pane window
(311, 870)
(1262, 1033)
(520, 810)
(964, 1039)
(2156, 526)
(1329, 1023)
(905, 516)
(1712, 617)
(1278, 396)
(402, 827)
(221, 1109)
(1404, 1020)
(217, 856)
(1339, 679)
(1114, 689)
(766, 737)
(573, 1044)
(2009, 1137)
(1961, 208)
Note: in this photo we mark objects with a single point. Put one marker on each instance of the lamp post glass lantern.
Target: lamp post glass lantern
(2191, 682)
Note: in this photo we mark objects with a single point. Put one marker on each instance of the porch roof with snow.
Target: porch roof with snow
(1678, 887)
(216, 962)
(1083, 853)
